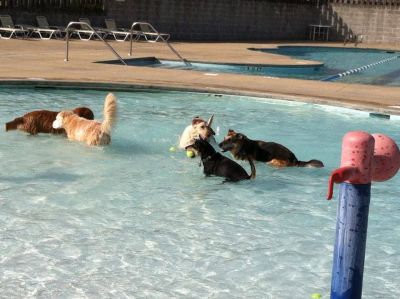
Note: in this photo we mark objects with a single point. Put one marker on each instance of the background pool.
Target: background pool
(335, 61)
(338, 60)
(134, 220)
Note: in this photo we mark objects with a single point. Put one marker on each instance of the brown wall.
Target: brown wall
(237, 19)
(55, 18)
(218, 19)
(377, 23)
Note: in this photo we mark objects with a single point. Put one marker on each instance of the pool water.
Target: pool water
(134, 220)
(334, 61)
(339, 60)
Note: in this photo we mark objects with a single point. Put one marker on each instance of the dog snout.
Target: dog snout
(224, 146)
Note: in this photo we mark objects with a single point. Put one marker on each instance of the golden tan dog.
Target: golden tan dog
(90, 131)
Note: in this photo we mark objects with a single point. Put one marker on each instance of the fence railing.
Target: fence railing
(87, 4)
(54, 4)
(368, 2)
(100, 4)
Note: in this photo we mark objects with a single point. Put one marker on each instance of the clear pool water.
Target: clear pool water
(338, 60)
(334, 61)
(134, 220)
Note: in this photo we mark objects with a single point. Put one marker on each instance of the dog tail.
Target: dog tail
(312, 163)
(110, 112)
(13, 125)
(253, 169)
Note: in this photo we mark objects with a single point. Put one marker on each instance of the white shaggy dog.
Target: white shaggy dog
(198, 128)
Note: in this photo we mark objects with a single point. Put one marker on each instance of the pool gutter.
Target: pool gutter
(130, 87)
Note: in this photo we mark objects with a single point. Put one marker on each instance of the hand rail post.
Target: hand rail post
(159, 36)
(95, 32)
(67, 44)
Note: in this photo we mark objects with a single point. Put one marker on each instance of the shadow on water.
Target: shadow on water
(61, 177)
(127, 147)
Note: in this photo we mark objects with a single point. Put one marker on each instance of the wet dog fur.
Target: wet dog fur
(199, 128)
(216, 164)
(41, 121)
(275, 154)
(90, 131)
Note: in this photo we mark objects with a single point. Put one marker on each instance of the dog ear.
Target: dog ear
(210, 120)
(197, 120)
(57, 123)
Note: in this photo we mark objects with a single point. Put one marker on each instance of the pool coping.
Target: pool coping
(130, 87)
(23, 64)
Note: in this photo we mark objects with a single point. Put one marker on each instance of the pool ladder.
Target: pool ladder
(154, 32)
(138, 34)
(68, 29)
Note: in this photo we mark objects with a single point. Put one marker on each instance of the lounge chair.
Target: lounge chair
(8, 29)
(44, 31)
(85, 33)
(119, 34)
(148, 32)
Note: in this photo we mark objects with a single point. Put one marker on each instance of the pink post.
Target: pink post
(365, 158)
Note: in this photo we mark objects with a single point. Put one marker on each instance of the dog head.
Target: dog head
(199, 128)
(84, 112)
(233, 141)
(60, 118)
(202, 128)
(201, 146)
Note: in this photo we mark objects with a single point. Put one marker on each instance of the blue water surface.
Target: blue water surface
(332, 61)
(135, 220)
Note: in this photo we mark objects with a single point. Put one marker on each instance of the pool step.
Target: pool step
(174, 67)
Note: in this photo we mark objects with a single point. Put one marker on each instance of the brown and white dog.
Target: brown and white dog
(41, 121)
(275, 154)
(198, 128)
(90, 131)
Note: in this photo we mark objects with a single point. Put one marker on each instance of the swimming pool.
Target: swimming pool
(339, 60)
(334, 61)
(136, 220)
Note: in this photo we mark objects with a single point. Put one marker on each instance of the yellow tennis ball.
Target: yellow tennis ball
(190, 154)
(172, 149)
(316, 296)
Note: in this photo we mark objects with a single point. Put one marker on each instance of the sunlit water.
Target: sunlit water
(134, 220)
(334, 60)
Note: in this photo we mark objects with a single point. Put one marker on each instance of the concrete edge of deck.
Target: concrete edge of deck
(129, 87)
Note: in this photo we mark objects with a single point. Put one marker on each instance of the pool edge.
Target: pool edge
(119, 86)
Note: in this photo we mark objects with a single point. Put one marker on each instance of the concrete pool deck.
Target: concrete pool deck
(42, 62)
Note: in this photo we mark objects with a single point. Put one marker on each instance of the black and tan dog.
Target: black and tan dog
(216, 164)
(275, 154)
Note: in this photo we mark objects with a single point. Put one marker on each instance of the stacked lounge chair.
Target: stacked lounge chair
(45, 31)
(9, 30)
(119, 34)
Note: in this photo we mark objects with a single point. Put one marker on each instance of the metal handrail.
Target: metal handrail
(138, 33)
(95, 32)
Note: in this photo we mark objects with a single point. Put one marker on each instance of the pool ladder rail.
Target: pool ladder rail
(69, 29)
(153, 32)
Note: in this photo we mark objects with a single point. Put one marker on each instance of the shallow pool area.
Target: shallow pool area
(381, 67)
(135, 220)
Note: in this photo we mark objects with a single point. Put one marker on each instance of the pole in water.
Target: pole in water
(365, 158)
